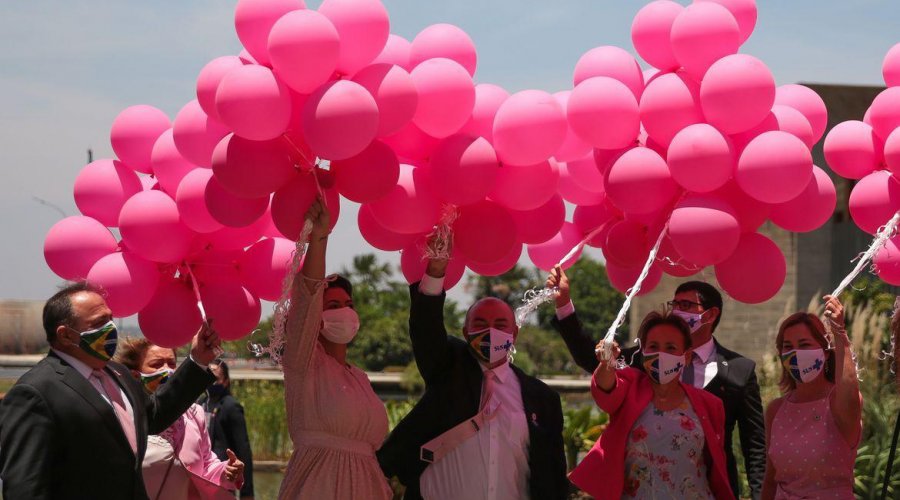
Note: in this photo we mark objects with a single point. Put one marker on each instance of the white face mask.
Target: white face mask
(694, 320)
(804, 365)
(491, 346)
(340, 325)
(662, 367)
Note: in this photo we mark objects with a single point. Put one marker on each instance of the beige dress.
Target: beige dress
(335, 419)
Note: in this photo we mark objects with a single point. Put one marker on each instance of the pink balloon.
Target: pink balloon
(151, 227)
(672, 263)
(394, 93)
(704, 230)
(750, 212)
(774, 168)
(340, 119)
(744, 12)
(364, 28)
(254, 103)
(292, 201)
(253, 20)
(702, 34)
(171, 318)
(446, 96)
(591, 218)
(411, 143)
(640, 170)
(74, 244)
(651, 33)
(411, 206)
(148, 183)
(501, 266)
(542, 223)
(581, 183)
(811, 209)
(737, 93)
(548, 254)
(884, 113)
(463, 169)
(624, 278)
(368, 175)
(169, 167)
(700, 158)
(396, 51)
(252, 169)
(891, 152)
(413, 266)
(377, 235)
(231, 210)
(264, 265)
(604, 113)
(670, 103)
(488, 99)
(231, 307)
(525, 188)
(134, 132)
(529, 127)
(484, 232)
(102, 187)
(890, 68)
(230, 238)
(208, 82)
(191, 200)
(304, 47)
(790, 120)
(806, 101)
(852, 149)
(196, 134)
(572, 148)
(755, 272)
(626, 244)
(613, 62)
(128, 281)
(887, 262)
(874, 200)
(447, 41)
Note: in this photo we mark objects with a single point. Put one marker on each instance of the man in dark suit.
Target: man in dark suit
(227, 427)
(720, 371)
(76, 425)
(483, 428)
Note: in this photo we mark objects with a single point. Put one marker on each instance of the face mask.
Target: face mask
(100, 342)
(663, 367)
(152, 381)
(491, 346)
(340, 325)
(694, 320)
(804, 365)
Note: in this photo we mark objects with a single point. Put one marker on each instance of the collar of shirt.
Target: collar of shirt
(80, 366)
(502, 372)
(704, 351)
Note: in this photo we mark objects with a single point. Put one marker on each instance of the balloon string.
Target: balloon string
(440, 240)
(535, 297)
(196, 288)
(308, 163)
(884, 233)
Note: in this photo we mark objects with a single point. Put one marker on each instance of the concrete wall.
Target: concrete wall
(21, 330)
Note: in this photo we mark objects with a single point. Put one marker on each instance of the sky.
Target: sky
(68, 68)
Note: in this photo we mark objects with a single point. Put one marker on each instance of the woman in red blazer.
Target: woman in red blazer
(664, 438)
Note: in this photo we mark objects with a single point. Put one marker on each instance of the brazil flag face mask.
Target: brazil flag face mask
(152, 381)
(100, 342)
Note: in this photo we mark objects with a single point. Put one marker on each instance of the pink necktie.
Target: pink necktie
(487, 389)
(115, 397)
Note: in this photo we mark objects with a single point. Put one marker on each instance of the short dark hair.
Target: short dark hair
(709, 296)
(655, 318)
(223, 366)
(58, 309)
(338, 281)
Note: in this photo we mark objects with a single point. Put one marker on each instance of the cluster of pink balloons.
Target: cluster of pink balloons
(869, 151)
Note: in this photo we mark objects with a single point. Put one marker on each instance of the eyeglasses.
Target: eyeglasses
(683, 305)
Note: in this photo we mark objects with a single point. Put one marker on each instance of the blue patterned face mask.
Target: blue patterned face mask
(804, 365)
(663, 367)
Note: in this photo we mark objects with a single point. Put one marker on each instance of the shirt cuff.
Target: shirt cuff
(431, 285)
(565, 311)
(201, 365)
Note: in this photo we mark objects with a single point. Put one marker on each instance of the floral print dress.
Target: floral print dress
(665, 456)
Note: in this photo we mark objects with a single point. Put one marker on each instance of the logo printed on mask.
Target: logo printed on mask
(662, 367)
(804, 365)
(694, 320)
(491, 346)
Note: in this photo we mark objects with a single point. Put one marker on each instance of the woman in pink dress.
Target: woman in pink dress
(814, 428)
(336, 421)
(179, 463)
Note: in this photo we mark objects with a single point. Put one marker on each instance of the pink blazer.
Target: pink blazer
(195, 452)
(602, 472)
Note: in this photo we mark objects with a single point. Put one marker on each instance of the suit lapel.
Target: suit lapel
(70, 377)
(528, 397)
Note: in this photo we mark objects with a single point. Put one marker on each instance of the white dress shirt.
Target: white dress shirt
(704, 371)
(493, 464)
(86, 372)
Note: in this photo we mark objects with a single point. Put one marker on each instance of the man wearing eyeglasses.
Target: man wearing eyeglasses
(722, 372)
